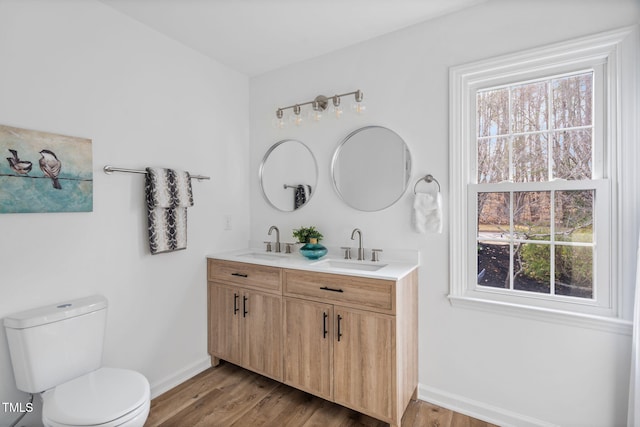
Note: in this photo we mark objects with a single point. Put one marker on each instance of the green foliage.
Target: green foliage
(303, 234)
(573, 265)
(536, 261)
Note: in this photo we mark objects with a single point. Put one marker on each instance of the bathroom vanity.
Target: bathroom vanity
(343, 331)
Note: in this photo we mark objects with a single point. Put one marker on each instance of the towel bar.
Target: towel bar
(427, 178)
(285, 186)
(110, 169)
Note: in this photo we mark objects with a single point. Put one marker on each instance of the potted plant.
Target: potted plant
(305, 234)
(310, 236)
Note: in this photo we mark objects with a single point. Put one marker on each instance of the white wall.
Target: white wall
(80, 68)
(504, 368)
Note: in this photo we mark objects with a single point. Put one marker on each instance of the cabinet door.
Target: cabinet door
(308, 345)
(364, 361)
(262, 327)
(225, 334)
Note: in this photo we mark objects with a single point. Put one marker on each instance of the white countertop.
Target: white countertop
(383, 269)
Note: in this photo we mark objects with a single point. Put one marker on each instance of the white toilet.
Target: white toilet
(57, 351)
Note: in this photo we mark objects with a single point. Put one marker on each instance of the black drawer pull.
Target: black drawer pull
(325, 288)
(339, 330)
(235, 303)
(324, 325)
(244, 306)
(240, 274)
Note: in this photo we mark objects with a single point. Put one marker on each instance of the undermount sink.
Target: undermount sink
(263, 256)
(347, 265)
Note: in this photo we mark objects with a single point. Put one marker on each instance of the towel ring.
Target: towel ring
(427, 178)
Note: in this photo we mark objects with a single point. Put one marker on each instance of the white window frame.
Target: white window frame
(612, 57)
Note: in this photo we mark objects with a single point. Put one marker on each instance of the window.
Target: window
(531, 237)
(534, 168)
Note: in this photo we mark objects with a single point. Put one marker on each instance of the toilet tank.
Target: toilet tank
(53, 344)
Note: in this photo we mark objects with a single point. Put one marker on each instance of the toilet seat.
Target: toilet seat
(105, 397)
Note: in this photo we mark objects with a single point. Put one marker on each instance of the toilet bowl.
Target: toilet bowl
(56, 351)
(106, 397)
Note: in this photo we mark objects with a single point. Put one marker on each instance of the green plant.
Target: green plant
(536, 261)
(303, 234)
(572, 264)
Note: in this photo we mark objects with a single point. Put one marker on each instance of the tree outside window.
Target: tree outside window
(537, 239)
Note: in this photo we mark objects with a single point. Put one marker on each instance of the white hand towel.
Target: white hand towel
(427, 213)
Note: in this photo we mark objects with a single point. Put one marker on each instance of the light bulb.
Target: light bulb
(336, 110)
(315, 115)
(296, 119)
(358, 107)
(279, 123)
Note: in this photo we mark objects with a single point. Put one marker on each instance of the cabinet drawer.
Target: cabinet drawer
(253, 276)
(372, 294)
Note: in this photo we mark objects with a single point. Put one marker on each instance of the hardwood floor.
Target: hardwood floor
(229, 396)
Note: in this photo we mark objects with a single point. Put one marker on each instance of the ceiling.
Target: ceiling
(257, 36)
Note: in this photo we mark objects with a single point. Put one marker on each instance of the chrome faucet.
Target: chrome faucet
(360, 248)
(273, 227)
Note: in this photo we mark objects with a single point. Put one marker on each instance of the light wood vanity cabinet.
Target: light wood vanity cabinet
(364, 364)
(245, 316)
(348, 339)
(361, 331)
(308, 346)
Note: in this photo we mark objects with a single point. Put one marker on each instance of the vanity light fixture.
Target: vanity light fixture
(318, 106)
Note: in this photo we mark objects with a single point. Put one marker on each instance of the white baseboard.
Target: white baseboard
(478, 410)
(166, 384)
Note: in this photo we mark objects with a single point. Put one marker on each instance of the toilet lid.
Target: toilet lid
(96, 398)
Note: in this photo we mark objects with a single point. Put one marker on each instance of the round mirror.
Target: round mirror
(371, 168)
(288, 175)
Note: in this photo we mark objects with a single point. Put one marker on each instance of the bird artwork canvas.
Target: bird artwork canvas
(45, 172)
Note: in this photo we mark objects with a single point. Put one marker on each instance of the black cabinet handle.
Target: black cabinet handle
(240, 274)
(324, 325)
(244, 306)
(339, 331)
(325, 288)
(235, 303)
